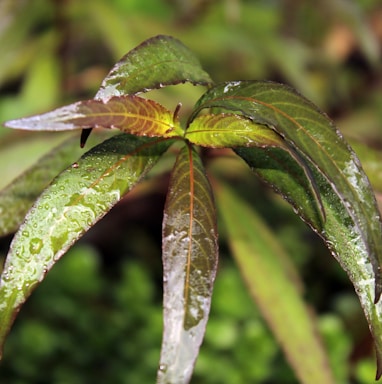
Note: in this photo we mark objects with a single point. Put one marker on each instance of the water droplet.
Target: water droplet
(163, 367)
(75, 165)
(35, 245)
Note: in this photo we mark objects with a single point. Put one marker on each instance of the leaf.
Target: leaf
(130, 114)
(230, 130)
(352, 230)
(18, 197)
(20, 150)
(190, 254)
(371, 159)
(235, 131)
(75, 201)
(157, 62)
(339, 232)
(265, 266)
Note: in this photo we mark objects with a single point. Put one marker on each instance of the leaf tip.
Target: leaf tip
(379, 367)
(378, 285)
(84, 136)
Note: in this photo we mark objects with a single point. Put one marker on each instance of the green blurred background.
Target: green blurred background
(97, 317)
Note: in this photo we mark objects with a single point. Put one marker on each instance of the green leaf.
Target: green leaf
(230, 130)
(265, 267)
(371, 159)
(75, 201)
(157, 62)
(286, 176)
(18, 197)
(313, 135)
(339, 232)
(130, 114)
(190, 254)
(353, 230)
(225, 130)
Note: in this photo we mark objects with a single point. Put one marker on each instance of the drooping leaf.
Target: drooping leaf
(371, 160)
(355, 237)
(262, 262)
(157, 62)
(190, 254)
(339, 232)
(313, 135)
(75, 201)
(235, 131)
(130, 114)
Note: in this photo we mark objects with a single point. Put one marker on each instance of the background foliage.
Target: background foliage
(101, 305)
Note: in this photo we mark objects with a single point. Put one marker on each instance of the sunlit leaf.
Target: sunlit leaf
(75, 201)
(262, 262)
(229, 130)
(130, 114)
(355, 237)
(235, 131)
(189, 261)
(157, 62)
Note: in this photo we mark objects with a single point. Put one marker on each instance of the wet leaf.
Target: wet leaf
(235, 131)
(339, 231)
(18, 197)
(371, 159)
(286, 176)
(157, 62)
(355, 237)
(75, 201)
(265, 266)
(190, 254)
(229, 130)
(130, 114)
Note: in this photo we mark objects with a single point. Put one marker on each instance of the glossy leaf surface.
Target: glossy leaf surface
(339, 232)
(18, 197)
(312, 134)
(190, 255)
(355, 238)
(130, 114)
(229, 130)
(265, 266)
(235, 131)
(75, 201)
(157, 62)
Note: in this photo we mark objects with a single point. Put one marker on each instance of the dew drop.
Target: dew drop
(75, 165)
(35, 245)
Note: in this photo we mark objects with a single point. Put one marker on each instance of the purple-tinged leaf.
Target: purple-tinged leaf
(190, 254)
(130, 114)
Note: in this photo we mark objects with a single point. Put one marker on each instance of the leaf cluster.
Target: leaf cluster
(286, 141)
